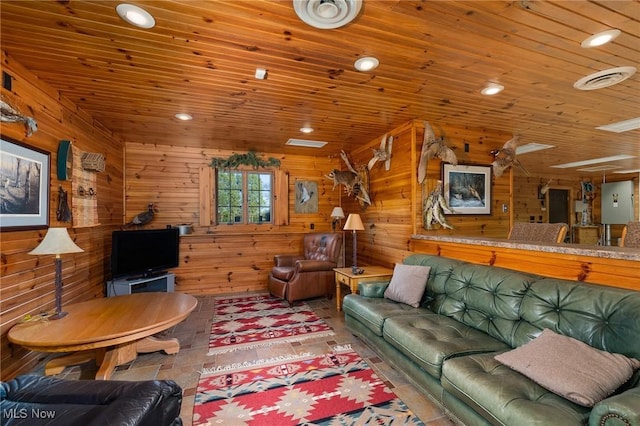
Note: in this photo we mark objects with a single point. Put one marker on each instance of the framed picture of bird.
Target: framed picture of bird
(467, 189)
(306, 200)
(24, 186)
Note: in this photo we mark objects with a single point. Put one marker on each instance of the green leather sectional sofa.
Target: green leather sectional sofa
(470, 313)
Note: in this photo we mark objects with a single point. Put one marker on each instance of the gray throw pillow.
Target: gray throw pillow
(408, 284)
(570, 368)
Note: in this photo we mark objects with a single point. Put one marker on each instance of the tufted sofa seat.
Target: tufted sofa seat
(469, 313)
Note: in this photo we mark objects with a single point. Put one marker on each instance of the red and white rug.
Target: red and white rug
(260, 320)
(338, 388)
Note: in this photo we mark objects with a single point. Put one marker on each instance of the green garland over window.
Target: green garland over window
(251, 158)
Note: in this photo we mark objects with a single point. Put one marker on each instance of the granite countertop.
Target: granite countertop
(609, 252)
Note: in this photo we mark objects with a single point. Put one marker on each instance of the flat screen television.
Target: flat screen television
(143, 253)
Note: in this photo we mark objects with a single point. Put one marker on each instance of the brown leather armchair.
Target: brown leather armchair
(298, 277)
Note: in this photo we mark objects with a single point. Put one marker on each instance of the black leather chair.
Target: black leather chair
(32, 400)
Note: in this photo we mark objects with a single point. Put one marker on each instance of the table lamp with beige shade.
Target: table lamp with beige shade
(57, 242)
(354, 223)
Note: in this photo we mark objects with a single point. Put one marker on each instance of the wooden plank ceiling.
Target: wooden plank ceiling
(435, 57)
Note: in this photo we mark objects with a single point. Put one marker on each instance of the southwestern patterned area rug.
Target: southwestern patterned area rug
(252, 321)
(338, 388)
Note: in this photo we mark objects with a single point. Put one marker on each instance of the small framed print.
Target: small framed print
(306, 196)
(24, 186)
(467, 189)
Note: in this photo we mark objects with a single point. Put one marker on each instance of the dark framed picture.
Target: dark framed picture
(24, 186)
(467, 189)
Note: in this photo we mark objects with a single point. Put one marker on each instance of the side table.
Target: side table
(345, 276)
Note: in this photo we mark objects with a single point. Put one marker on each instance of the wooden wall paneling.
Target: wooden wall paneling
(223, 258)
(26, 287)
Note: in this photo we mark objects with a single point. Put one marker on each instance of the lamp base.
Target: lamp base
(57, 315)
(356, 271)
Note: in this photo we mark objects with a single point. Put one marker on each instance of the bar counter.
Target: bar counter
(605, 265)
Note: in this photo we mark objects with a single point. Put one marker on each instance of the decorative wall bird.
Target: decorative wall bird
(505, 157)
(8, 114)
(143, 218)
(383, 153)
(433, 148)
(434, 208)
(305, 194)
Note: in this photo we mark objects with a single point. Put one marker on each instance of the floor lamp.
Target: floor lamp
(338, 214)
(354, 223)
(57, 242)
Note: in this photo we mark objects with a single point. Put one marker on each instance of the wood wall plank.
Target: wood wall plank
(26, 287)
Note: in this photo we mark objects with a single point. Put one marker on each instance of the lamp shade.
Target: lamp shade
(57, 241)
(354, 223)
(337, 213)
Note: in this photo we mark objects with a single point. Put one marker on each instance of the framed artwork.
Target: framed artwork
(24, 186)
(306, 200)
(467, 189)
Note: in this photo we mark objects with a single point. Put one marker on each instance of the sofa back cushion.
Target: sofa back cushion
(606, 318)
(484, 297)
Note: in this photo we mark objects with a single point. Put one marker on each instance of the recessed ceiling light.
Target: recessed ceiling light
(492, 89)
(599, 39)
(184, 117)
(135, 15)
(593, 161)
(531, 147)
(305, 143)
(306, 129)
(622, 126)
(366, 63)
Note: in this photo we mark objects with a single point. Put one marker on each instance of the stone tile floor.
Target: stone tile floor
(193, 334)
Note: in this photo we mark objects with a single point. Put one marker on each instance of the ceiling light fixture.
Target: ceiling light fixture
(622, 126)
(602, 168)
(594, 161)
(306, 129)
(366, 63)
(327, 14)
(492, 89)
(261, 74)
(183, 116)
(531, 147)
(627, 171)
(600, 38)
(305, 143)
(135, 15)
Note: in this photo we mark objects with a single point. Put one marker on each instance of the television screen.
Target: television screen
(144, 252)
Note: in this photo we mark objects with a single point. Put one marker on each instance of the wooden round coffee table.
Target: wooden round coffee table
(112, 330)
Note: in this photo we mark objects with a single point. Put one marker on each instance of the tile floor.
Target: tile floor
(193, 334)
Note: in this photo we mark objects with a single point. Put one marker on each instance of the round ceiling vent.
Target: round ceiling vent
(604, 78)
(327, 14)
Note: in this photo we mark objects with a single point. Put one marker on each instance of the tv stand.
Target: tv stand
(159, 283)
